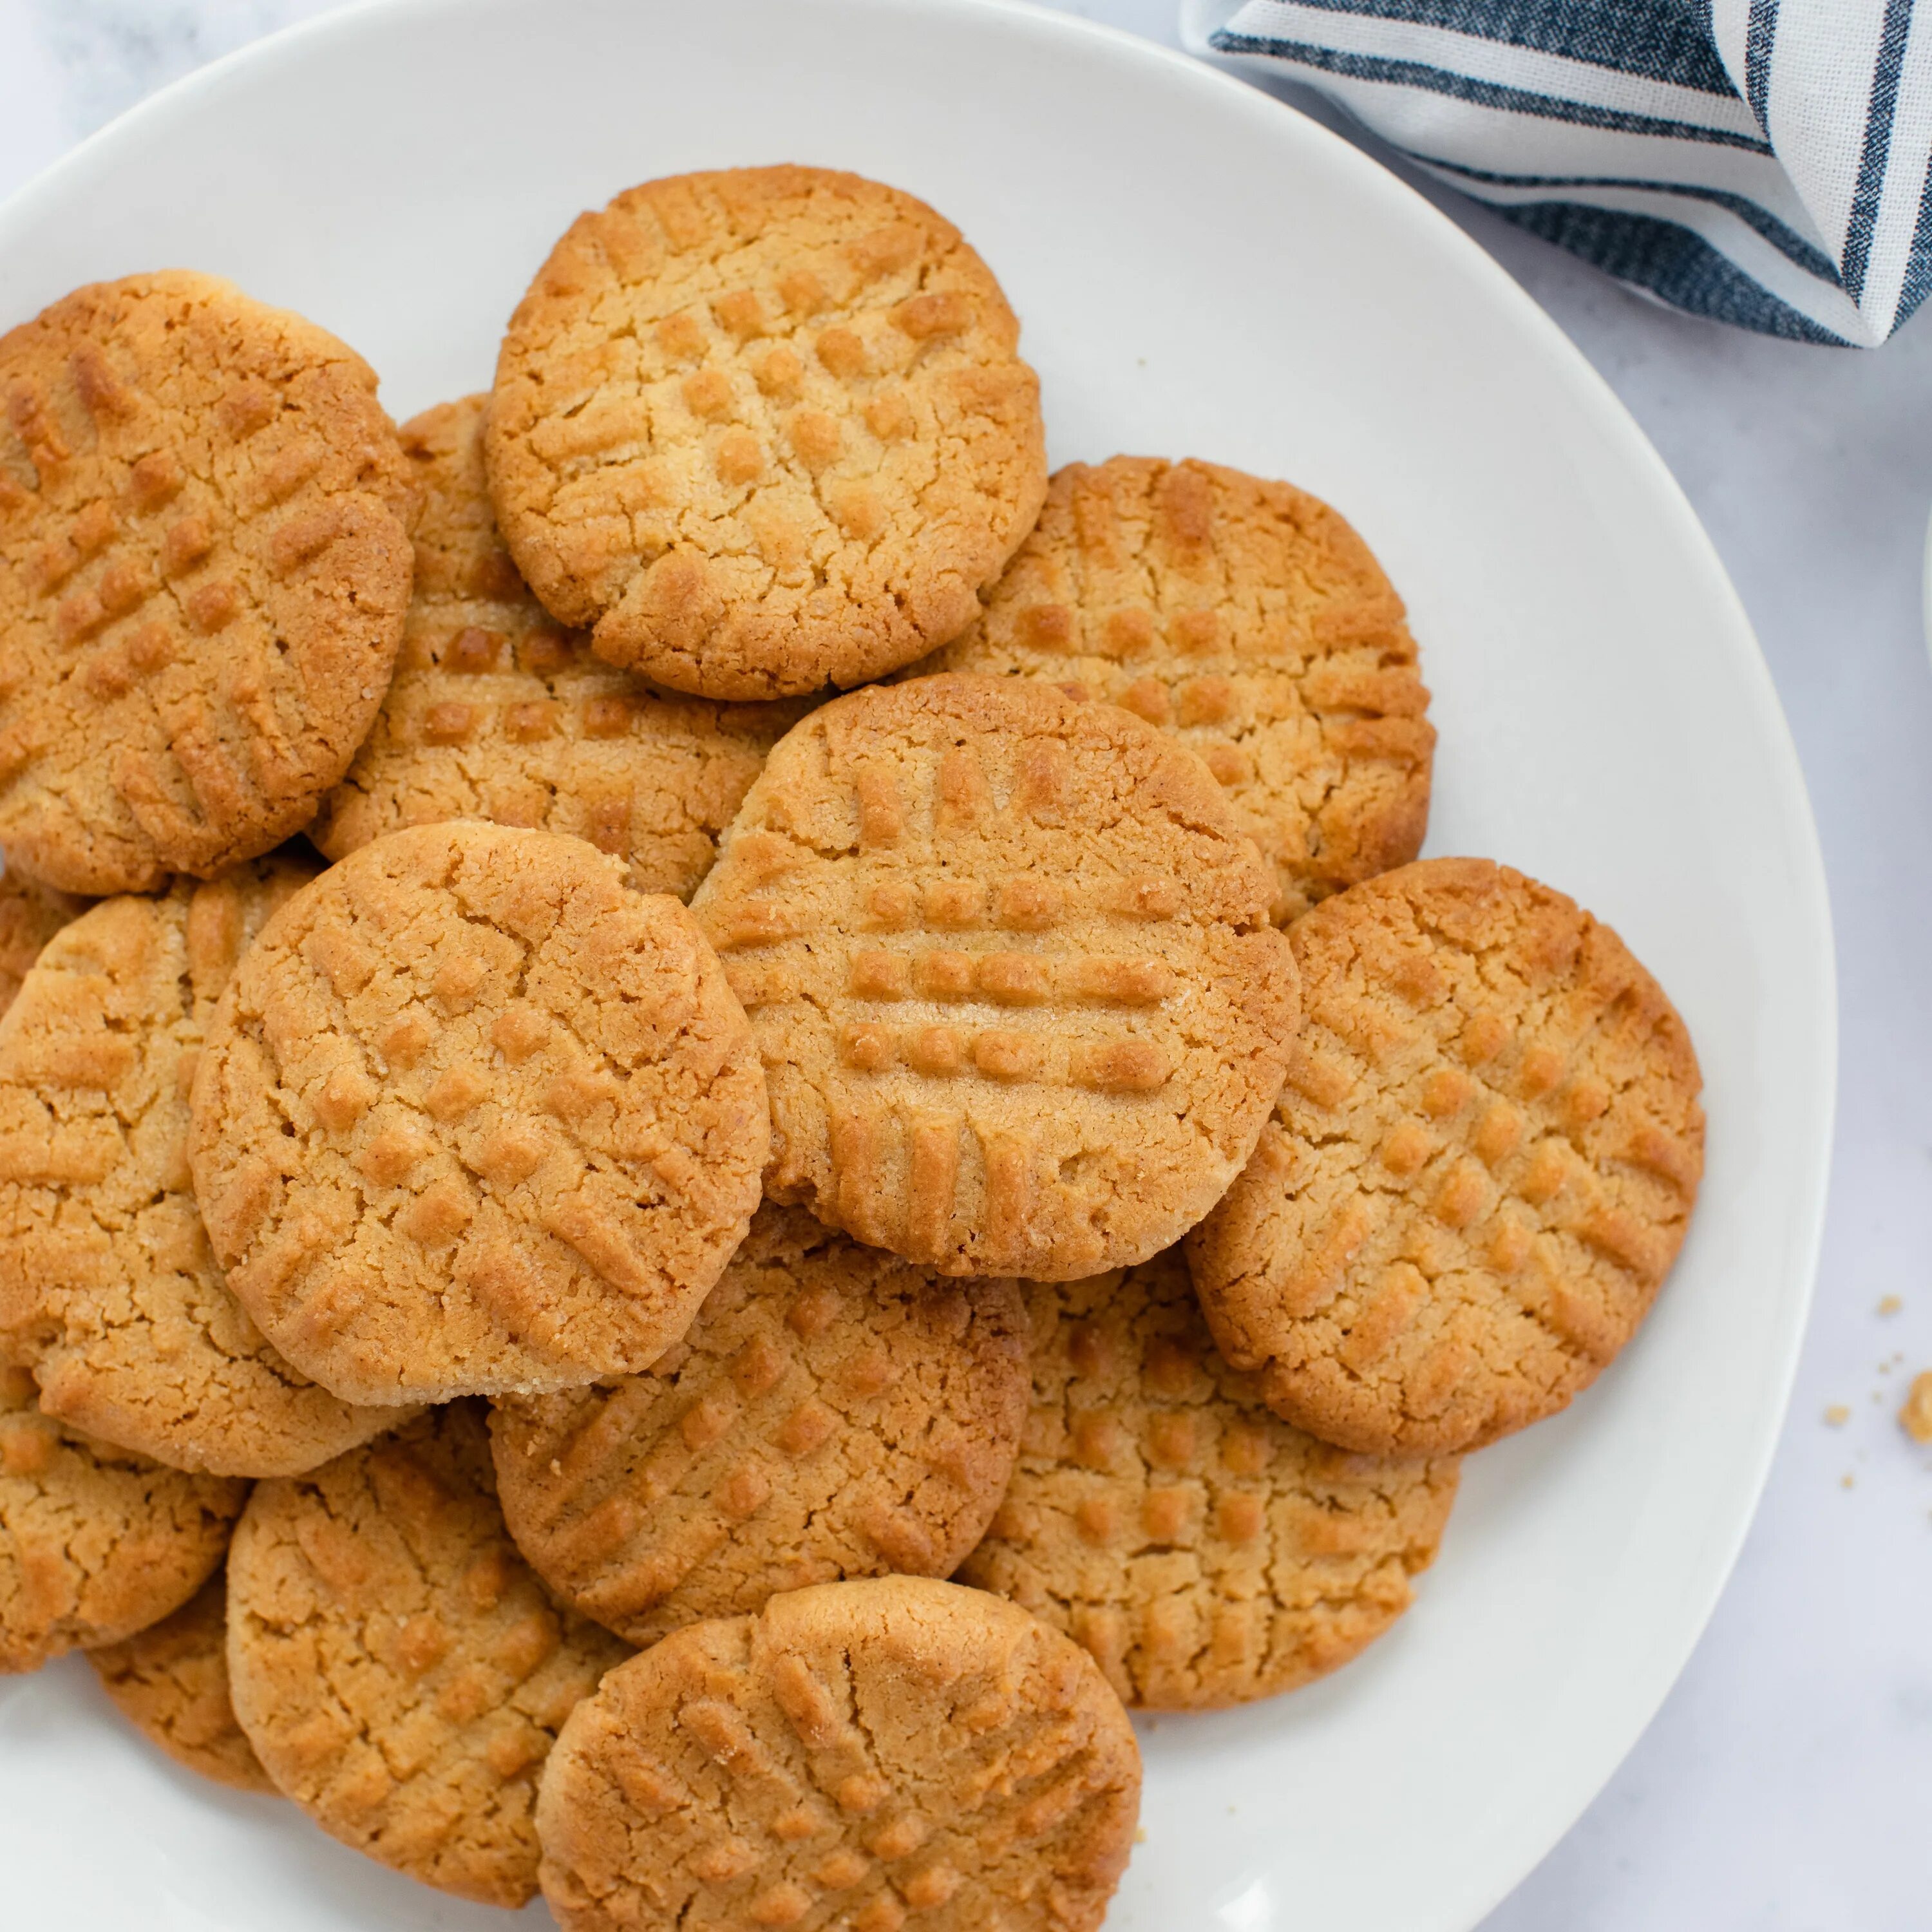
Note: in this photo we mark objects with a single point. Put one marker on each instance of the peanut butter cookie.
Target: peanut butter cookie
(764, 429)
(495, 713)
(1478, 1174)
(1205, 1551)
(204, 566)
(398, 1670)
(870, 1755)
(108, 1288)
(831, 1413)
(96, 1542)
(475, 1116)
(1008, 958)
(30, 916)
(1248, 618)
(170, 1681)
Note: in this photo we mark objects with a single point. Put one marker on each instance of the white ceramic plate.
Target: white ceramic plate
(1199, 271)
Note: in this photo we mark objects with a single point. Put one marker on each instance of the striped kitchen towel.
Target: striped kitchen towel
(1763, 162)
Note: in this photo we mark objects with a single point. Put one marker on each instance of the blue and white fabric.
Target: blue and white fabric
(1763, 162)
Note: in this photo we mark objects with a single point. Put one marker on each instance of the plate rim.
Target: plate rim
(1426, 225)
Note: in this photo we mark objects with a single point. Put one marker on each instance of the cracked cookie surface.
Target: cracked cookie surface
(1008, 957)
(495, 712)
(1248, 618)
(108, 1290)
(833, 1412)
(170, 1681)
(204, 566)
(474, 1116)
(400, 1671)
(96, 1542)
(764, 430)
(30, 916)
(874, 1755)
(1480, 1170)
(1203, 1550)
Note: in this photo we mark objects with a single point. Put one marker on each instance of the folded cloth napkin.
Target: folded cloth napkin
(1763, 162)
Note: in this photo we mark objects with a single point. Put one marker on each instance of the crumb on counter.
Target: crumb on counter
(1836, 1416)
(1915, 1417)
(1889, 1304)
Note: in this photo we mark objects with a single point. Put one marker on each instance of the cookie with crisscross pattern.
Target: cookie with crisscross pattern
(496, 712)
(96, 1542)
(400, 1672)
(1479, 1172)
(764, 430)
(1204, 1550)
(204, 566)
(170, 1681)
(1008, 958)
(1247, 618)
(883, 1756)
(831, 1412)
(108, 1290)
(475, 1116)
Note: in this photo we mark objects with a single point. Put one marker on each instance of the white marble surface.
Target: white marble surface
(1786, 1785)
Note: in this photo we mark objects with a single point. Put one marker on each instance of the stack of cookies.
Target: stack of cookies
(626, 1275)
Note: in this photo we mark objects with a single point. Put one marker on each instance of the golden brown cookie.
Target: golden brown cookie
(400, 1672)
(170, 1681)
(1008, 958)
(1248, 618)
(96, 1542)
(473, 1116)
(892, 1753)
(1478, 1174)
(495, 713)
(1203, 1550)
(764, 429)
(204, 566)
(30, 916)
(831, 1413)
(108, 1288)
